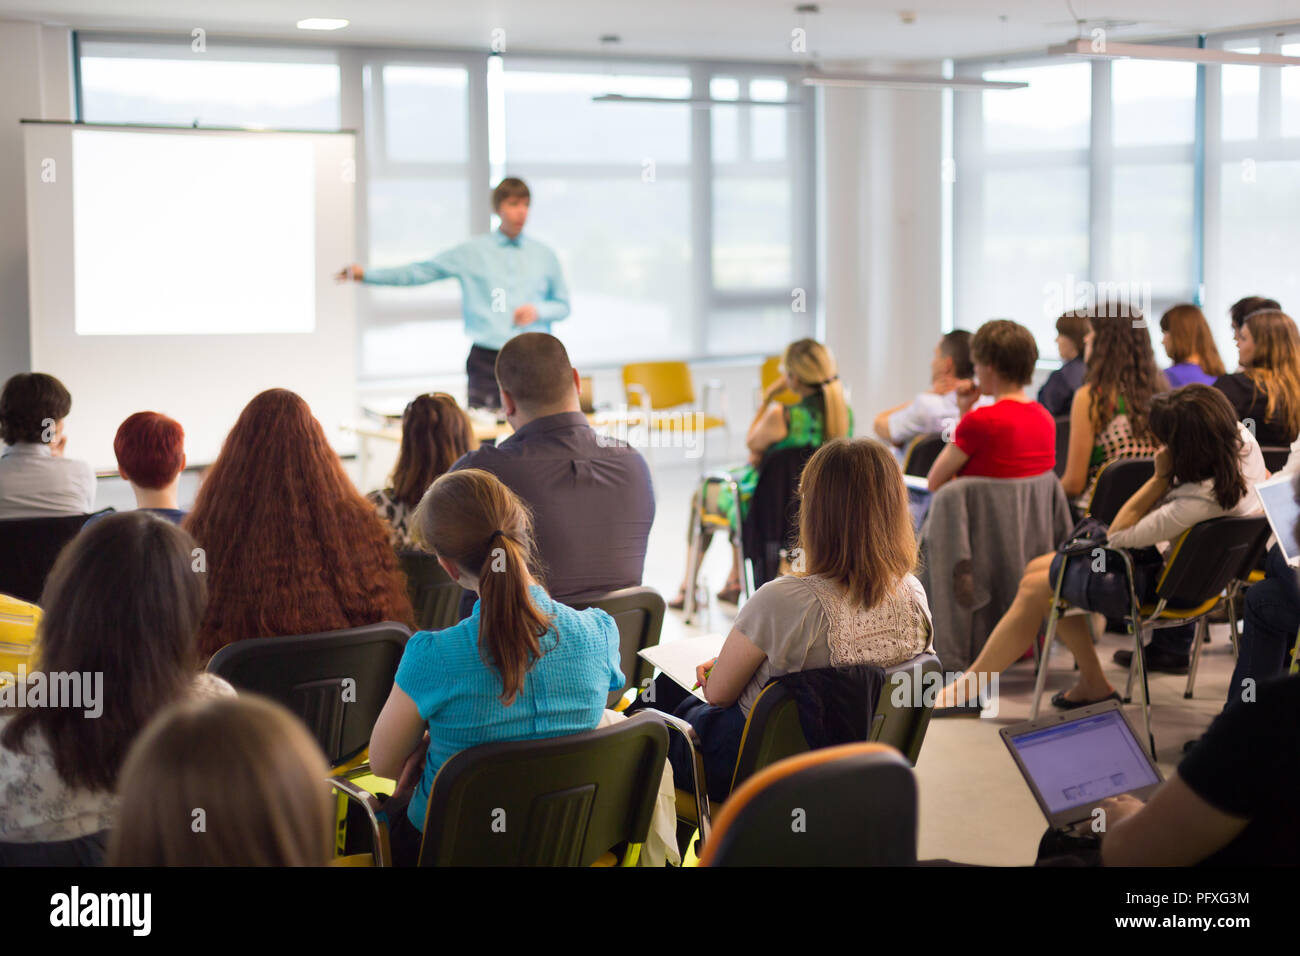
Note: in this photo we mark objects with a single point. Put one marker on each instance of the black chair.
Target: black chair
(336, 682)
(1062, 444)
(434, 595)
(82, 851)
(921, 453)
(771, 525)
(852, 805)
(1117, 482)
(28, 549)
(1275, 457)
(639, 614)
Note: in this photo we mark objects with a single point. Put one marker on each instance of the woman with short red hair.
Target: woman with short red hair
(290, 546)
(150, 450)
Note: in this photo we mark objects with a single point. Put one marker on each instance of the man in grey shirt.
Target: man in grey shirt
(36, 480)
(591, 498)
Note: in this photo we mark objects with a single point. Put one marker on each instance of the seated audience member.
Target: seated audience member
(150, 450)
(1204, 471)
(858, 603)
(808, 370)
(1266, 392)
(36, 480)
(1231, 801)
(1012, 438)
(289, 544)
(1109, 413)
(933, 411)
(249, 764)
(1188, 342)
(436, 432)
(591, 498)
(1240, 310)
(1058, 391)
(135, 647)
(522, 666)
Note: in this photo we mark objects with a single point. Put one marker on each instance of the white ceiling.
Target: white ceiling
(731, 29)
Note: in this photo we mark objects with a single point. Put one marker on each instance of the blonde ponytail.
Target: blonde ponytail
(812, 365)
(471, 518)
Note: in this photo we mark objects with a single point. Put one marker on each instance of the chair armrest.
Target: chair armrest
(370, 803)
(699, 785)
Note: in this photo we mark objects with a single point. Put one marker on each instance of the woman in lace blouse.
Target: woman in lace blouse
(852, 601)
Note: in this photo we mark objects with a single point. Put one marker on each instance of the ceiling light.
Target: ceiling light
(690, 100)
(321, 23)
(907, 81)
(1185, 54)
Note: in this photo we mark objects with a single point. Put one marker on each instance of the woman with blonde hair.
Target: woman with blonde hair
(853, 600)
(1188, 342)
(1266, 392)
(808, 369)
(521, 667)
(234, 782)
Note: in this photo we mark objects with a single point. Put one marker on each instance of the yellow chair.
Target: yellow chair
(667, 388)
(18, 621)
(768, 374)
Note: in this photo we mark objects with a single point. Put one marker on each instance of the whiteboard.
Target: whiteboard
(185, 270)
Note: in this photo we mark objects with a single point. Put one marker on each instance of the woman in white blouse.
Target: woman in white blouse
(1204, 470)
(122, 608)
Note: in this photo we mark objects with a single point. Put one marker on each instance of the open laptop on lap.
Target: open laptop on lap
(1277, 496)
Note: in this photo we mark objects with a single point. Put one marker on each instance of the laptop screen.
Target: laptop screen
(1083, 761)
(1278, 499)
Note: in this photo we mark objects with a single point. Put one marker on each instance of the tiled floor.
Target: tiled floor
(975, 806)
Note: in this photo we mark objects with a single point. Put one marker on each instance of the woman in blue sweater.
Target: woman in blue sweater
(520, 667)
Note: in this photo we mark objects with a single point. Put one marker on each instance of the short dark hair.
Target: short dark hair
(29, 400)
(509, 188)
(1008, 347)
(1251, 303)
(956, 346)
(535, 369)
(1074, 326)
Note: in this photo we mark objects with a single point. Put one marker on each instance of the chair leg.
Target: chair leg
(1043, 659)
(1144, 689)
(1202, 626)
(1133, 664)
(1232, 623)
(693, 567)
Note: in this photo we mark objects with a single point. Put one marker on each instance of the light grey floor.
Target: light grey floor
(975, 807)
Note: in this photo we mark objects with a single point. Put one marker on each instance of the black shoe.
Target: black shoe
(1191, 745)
(1060, 700)
(1155, 659)
(960, 710)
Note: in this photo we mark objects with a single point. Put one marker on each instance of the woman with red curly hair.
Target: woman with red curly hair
(290, 546)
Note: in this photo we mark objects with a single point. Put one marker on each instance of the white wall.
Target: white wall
(36, 84)
(880, 159)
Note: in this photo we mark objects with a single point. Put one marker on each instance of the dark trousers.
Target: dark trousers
(481, 367)
(719, 730)
(403, 838)
(1272, 617)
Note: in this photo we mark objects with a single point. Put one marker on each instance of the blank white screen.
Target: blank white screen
(193, 235)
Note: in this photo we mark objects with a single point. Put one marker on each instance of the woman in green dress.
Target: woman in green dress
(808, 369)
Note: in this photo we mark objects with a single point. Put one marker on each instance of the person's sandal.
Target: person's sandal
(729, 595)
(679, 603)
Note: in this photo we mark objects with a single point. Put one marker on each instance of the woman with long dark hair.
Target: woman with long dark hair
(1109, 414)
(436, 432)
(1203, 470)
(289, 545)
(122, 608)
(522, 666)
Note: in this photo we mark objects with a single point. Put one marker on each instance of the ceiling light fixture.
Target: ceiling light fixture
(1084, 47)
(908, 81)
(322, 23)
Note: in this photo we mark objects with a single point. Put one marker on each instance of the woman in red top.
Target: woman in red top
(1015, 437)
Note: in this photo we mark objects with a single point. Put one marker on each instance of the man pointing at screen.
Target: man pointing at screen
(509, 284)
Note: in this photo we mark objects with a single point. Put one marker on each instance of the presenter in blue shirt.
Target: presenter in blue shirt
(509, 284)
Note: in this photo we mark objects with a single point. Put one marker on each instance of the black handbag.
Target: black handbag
(1095, 578)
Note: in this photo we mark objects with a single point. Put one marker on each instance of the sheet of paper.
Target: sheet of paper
(678, 659)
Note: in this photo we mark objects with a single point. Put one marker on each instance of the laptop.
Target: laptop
(1277, 495)
(1075, 759)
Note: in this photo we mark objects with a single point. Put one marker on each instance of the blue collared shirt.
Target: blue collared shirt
(497, 275)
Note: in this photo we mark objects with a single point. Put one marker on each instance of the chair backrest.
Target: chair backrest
(852, 805)
(1207, 556)
(1062, 444)
(18, 622)
(920, 454)
(434, 595)
(562, 801)
(902, 713)
(1117, 482)
(772, 519)
(336, 682)
(28, 548)
(667, 383)
(772, 732)
(639, 614)
(1275, 456)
